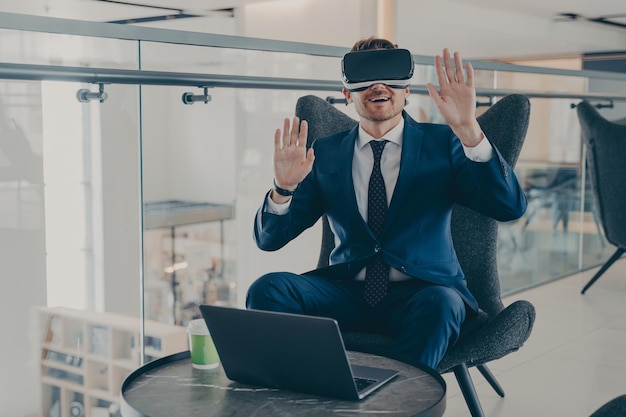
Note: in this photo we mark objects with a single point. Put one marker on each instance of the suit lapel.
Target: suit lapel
(346, 155)
(412, 140)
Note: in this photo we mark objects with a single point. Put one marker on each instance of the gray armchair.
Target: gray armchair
(496, 331)
(613, 408)
(606, 146)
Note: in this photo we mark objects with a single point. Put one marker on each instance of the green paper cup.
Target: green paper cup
(203, 353)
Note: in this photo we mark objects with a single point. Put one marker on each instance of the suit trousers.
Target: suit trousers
(422, 318)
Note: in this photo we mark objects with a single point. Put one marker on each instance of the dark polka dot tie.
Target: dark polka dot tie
(377, 272)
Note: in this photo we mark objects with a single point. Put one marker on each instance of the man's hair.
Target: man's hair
(373, 43)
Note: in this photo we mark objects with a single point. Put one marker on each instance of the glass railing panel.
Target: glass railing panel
(69, 235)
(545, 244)
(67, 224)
(533, 81)
(22, 47)
(23, 242)
(189, 171)
(596, 250)
(263, 114)
(228, 61)
(88, 324)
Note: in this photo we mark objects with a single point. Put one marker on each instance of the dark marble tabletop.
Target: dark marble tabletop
(170, 387)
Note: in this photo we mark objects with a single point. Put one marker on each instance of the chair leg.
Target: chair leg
(467, 388)
(618, 253)
(486, 372)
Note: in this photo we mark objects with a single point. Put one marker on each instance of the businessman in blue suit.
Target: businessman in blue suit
(418, 171)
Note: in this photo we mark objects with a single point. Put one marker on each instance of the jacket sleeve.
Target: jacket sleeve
(490, 188)
(272, 231)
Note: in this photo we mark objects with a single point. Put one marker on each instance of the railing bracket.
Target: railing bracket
(190, 98)
(84, 95)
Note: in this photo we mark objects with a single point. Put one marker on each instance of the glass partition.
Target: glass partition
(120, 217)
(22, 236)
(560, 233)
(71, 222)
(189, 171)
(227, 61)
(66, 50)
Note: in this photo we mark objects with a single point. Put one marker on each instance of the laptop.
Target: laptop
(289, 351)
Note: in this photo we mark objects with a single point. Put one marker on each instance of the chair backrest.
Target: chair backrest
(505, 124)
(606, 146)
(324, 120)
(476, 236)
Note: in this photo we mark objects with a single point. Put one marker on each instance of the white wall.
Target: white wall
(326, 22)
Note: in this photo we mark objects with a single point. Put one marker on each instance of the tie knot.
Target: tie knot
(377, 148)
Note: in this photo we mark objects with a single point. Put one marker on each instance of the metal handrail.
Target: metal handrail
(54, 25)
(34, 72)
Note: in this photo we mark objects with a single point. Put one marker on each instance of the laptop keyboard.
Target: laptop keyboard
(362, 383)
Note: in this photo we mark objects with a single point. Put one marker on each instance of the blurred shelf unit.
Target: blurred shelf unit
(174, 213)
(85, 356)
(184, 269)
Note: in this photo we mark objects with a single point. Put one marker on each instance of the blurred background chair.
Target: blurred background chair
(496, 331)
(605, 142)
(614, 408)
(555, 188)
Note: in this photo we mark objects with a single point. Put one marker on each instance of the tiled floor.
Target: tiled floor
(574, 360)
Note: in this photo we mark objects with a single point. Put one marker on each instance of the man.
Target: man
(387, 188)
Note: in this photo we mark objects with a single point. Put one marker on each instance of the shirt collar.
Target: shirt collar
(394, 135)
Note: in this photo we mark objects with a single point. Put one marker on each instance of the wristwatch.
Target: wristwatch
(282, 191)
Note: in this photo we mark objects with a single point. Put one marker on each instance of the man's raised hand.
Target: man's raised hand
(456, 98)
(292, 161)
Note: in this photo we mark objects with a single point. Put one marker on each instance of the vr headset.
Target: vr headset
(362, 69)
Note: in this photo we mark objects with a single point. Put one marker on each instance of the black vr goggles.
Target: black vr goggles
(362, 69)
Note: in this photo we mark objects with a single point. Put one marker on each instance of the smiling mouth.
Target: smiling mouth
(379, 99)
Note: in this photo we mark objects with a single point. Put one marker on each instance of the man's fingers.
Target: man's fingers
(441, 76)
(293, 135)
(304, 130)
(310, 157)
(285, 133)
(470, 74)
(277, 136)
(458, 66)
(447, 62)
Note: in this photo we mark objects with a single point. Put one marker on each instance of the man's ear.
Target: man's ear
(347, 94)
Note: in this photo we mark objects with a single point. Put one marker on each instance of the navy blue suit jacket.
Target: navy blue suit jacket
(416, 237)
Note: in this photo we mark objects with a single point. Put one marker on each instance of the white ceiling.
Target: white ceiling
(505, 29)
(537, 8)
(550, 8)
(549, 34)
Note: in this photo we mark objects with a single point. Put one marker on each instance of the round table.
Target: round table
(171, 387)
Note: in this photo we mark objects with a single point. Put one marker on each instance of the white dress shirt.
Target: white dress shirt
(362, 165)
